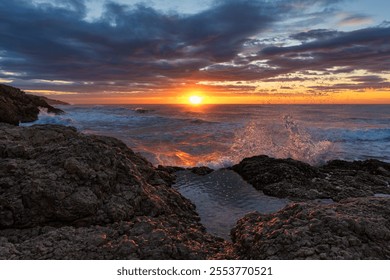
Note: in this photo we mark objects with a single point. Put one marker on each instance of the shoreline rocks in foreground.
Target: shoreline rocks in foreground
(16, 106)
(357, 228)
(65, 195)
(336, 180)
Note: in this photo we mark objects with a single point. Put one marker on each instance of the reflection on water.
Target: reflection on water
(222, 197)
(222, 135)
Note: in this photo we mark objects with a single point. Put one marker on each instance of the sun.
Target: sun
(195, 99)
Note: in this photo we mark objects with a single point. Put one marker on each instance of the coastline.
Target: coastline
(67, 195)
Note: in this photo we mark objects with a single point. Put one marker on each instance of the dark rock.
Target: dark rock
(141, 110)
(53, 101)
(201, 171)
(356, 228)
(16, 106)
(169, 169)
(297, 180)
(68, 195)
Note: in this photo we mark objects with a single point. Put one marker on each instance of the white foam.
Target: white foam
(284, 140)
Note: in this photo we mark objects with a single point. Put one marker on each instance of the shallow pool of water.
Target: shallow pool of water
(223, 197)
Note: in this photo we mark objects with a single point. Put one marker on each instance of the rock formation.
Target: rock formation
(356, 228)
(68, 195)
(53, 101)
(297, 180)
(16, 106)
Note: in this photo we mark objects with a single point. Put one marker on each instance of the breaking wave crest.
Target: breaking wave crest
(284, 140)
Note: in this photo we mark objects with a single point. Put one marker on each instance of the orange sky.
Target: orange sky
(212, 96)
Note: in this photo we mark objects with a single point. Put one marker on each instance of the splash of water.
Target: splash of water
(284, 140)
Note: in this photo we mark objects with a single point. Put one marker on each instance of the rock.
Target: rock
(54, 101)
(16, 106)
(201, 171)
(357, 228)
(68, 195)
(141, 110)
(297, 180)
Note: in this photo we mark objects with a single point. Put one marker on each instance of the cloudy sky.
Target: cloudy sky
(228, 51)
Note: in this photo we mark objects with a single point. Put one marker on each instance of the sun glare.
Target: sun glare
(195, 99)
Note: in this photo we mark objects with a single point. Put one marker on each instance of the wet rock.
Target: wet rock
(68, 195)
(16, 106)
(357, 228)
(201, 171)
(297, 180)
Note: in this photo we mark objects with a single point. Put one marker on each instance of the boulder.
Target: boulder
(357, 228)
(299, 181)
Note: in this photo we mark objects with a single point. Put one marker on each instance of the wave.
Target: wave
(348, 135)
(168, 137)
(284, 140)
(45, 117)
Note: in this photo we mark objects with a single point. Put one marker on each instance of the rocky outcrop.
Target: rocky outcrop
(16, 106)
(68, 195)
(198, 170)
(297, 180)
(356, 228)
(53, 101)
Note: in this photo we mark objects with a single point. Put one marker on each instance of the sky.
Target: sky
(225, 51)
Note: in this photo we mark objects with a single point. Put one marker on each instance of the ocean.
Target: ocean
(221, 135)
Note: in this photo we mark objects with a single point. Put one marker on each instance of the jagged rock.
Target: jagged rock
(143, 237)
(297, 180)
(16, 106)
(356, 228)
(68, 195)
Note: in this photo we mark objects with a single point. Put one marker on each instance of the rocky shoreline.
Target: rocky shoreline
(66, 195)
(17, 107)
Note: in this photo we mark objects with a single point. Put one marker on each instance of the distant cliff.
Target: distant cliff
(17, 106)
(53, 101)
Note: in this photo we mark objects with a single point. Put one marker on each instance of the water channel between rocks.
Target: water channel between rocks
(222, 197)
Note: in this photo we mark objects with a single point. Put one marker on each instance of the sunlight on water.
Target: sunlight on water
(220, 136)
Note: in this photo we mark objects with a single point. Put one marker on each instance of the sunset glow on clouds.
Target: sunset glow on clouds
(298, 51)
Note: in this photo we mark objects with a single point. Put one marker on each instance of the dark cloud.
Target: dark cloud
(368, 79)
(316, 34)
(143, 49)
(365, 49)
(51, 42)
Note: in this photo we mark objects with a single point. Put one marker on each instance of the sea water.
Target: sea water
(222, 135)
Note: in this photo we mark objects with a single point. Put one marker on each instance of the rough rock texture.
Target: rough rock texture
(68, 195)
(16, 106)
(297, 180)
(356, 228)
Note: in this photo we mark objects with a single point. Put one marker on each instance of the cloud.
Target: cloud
(51, 42)
(355, 20)
(138, 48)
(315, 34)
(366, 49)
